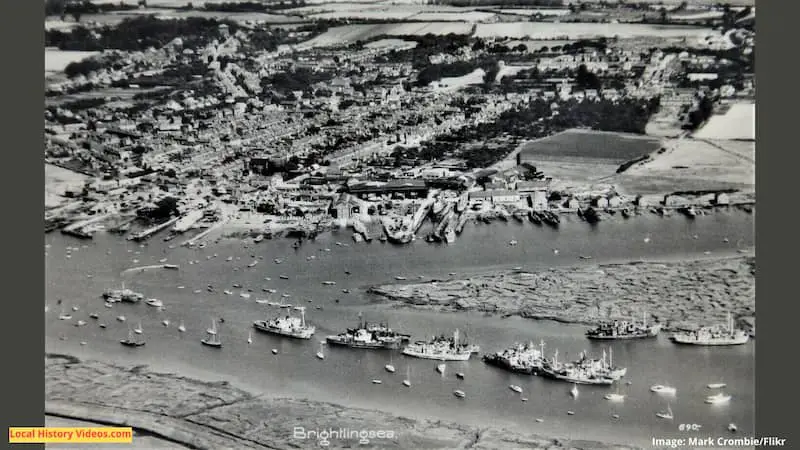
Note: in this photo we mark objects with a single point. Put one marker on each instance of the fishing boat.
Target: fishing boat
(527, 358)
(713, 336)
(618, 330)
(441, 368)
(716, 385)
(407, 380)
(718, 399)
(131, 340)
(370, 336)
(661, 389)
(515, 388)
(666, 414)
(320, 353)
(576, 373)
(459, 393)
(289, 326)
(442, 348)
(212, 340)
(154, 302)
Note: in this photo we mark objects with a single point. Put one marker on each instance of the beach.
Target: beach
(677, 294)
(199, 414)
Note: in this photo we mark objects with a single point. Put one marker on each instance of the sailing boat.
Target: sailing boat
(574, 391)
(389, 367)
(440, 368)
(250, 338)
(138, 329)
(212, 340)
(181, 327)
(131, 340)
(320, 354)
(407, 381)
(666, 415)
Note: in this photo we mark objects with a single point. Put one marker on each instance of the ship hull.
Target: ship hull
(363, 346)
(600, 381)
(304, 334)
(622, 337)
(464, 356)
(706, 342)
(497, 362)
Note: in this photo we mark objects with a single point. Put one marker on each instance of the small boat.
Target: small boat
(75, 308)
(718, 399)
(181, 327)
(539, 420)
(262, 301)
(524, 399)
(376, 381)
(121, 318)
(440, 368)
(138, 329)
(250, 338)
(615, 416)
(460, 375)
(163, 260)
(661, 389)
(80, 323)
(555, 251)
(131, 341)
(346, 291)
(154, 302)
(283, 277)
(389, 367)
(237, 286)
(615, 397)
(94, 315)
(320, 354)
(407, 381)
(459, 393)
(165, 322)
(108, 305)
(585, 257)
(253, 264)
(64, 316)
(513, 242)
(102, 325)
(515, 388)
(227, 292)
(229, 258)
(213, 338)
(732, 427)
(716, 385)
(244, 295)
(329, 283)
(400, 278)
(83, 342)
(274, 351)
(570, 413)
(666, 414)
(574, 391)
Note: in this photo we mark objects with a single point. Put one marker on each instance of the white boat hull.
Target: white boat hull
(464, 356)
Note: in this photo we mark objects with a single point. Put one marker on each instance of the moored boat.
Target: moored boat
(289, 326)
(442, 348)
(713, 336)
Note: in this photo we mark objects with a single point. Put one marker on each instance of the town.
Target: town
(264, 120)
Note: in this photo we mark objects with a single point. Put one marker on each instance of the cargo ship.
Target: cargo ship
(442, 348)
(289, 326)
(521, 358)
(370, 336)
(716, 335)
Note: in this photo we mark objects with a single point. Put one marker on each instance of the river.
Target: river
(344, 376)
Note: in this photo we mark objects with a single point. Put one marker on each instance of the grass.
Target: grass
(352, 33)
(614, 148)
(540, 30)
(56, 60)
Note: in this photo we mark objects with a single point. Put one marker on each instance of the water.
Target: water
(345, 375)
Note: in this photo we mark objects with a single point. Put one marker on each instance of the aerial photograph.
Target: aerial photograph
(401, 224)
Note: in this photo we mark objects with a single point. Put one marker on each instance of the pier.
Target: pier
(151, 231)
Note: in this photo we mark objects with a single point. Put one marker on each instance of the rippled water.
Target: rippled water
(344, 376)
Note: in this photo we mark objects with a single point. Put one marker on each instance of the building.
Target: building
(722, 199)
(538, 200)
(614, 201)
(600, 202)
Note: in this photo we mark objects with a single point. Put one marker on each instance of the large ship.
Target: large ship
(442, 348)
(716, 335)
(527, 359)
(624, 330)
(289, 326)
(575, 373)
(370, 336)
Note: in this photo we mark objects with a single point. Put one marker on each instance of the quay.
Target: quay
(153, 230)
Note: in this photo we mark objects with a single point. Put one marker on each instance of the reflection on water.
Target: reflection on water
(345, 374)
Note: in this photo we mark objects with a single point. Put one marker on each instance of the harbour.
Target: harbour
(298, 373)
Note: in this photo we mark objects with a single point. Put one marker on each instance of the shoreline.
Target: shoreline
(202, 414)
(681, 295)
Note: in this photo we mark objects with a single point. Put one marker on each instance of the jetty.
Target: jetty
(152, 230)
(83, 228)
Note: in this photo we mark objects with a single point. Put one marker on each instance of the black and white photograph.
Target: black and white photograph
(401, 224)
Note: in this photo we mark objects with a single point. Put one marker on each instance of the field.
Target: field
(531, 12)
(614, 148)
(531, 30)
(462, 16)
(391, 43)
(352, 33)
(56, 60)
(510, 71)
(737, 123)
(697, 16)
(456, 83)
(692, 164)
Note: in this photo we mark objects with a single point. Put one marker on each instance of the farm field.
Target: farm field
(462, 16)
(391, 43)
(614, 148)
(737, 123)
(456, 83)
(531, 30)
(352, 33)
(533, 12)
